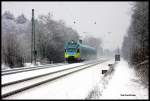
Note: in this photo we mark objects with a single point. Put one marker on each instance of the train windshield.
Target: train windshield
(72, 46)
(71, 50)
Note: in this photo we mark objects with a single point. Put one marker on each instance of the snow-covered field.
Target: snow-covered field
(26, 65)
(123, 85)
(23, 75)
(74, 86)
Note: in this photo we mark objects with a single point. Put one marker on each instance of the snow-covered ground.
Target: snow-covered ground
(26, 65)
(4, 67)
(122, 85)
(74, 86)
(23, 75)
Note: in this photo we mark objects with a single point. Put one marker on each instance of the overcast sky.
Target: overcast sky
(112, 18)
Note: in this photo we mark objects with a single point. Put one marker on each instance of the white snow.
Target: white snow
(4, 67)
(32, 65)
(23, 75)
(26, 65)
(74, 86)
(122, 85)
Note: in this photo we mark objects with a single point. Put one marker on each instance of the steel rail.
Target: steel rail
(30, 69)
(45, 81)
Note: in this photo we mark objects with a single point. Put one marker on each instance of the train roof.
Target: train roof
(75, 44)
(87, 46)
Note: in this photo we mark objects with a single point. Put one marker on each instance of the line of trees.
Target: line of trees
(50, 37)
(135, 47)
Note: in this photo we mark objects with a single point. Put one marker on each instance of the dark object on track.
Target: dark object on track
(104, 71)
(117, 57)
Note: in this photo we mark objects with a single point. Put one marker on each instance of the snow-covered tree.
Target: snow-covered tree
(51, 36)
(8, 15)
(21, 19)
(13, 40)
(135, 46)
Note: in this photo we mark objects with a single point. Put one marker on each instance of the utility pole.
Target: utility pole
(33, 52)
(32, 37)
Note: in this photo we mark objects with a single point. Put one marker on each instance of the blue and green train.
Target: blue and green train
(75, 51)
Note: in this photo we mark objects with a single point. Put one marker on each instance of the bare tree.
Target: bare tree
(135, 46)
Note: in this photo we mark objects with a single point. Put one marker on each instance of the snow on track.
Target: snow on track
(74, 86)
(23, 75)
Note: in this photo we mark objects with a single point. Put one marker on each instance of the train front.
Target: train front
(72, 52)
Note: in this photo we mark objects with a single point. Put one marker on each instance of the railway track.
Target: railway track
(11, 88)
(19, 70)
